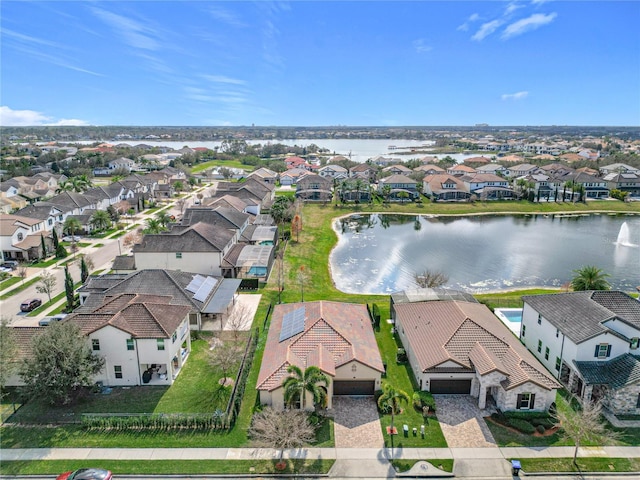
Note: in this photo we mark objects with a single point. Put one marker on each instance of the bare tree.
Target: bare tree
(181, 203)
(225, 357)
(431, 279)
(46, 284)
(22, 272)
(132, 238)
(281, 430)
(239, 320)
(582, 425)
(302, 278)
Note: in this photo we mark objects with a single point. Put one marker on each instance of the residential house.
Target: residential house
(618, 168)
(429, 169)
(354, 190)
(400, 187)
(334, 172)
(554, 169)
(457, 346)
(626, 182)
(521, 170)
(265, 175)
(594, 187)
(291, 177)
(494, 168)
(365, 171)
(335, 337)
(460, 170)
(488, 186)
(445, 188)
(259, 193)
(50, 215)
(21, 238)
(590, 341)
(397, 170)
(312, 187)
(477, 161)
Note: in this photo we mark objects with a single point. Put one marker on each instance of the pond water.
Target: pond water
(381, 253)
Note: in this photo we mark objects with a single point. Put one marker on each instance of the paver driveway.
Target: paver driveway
(356, 422)
(461, 421)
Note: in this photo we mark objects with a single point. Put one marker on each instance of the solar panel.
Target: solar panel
(205, 289)
(292, 323)
(195, 284)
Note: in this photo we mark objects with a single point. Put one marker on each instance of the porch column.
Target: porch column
(482, 397)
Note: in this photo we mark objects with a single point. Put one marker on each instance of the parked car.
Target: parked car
(86, 474)
(30, 304)
(10, 264)
(71, 238)
(46, 321)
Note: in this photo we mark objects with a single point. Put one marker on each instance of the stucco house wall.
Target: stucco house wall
(206, 263)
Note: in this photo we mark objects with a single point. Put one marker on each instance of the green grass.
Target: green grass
(45, 263)
(19, 289)
(167, 467)
(201, 167)
(98, 245)
(120, 233)
(588, 464)
(510, 299)
(9, 281)
(445, 464)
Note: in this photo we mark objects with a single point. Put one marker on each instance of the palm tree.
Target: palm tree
(100, 220)
(590, 278)
(164, 218)
(296, 385)
(72, 225)
(391, 399)
(154, 226)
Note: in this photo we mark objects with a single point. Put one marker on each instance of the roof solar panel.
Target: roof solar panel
(195, 284)
(292, 323)
(205, 289)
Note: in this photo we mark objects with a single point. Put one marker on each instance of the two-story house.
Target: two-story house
(445, 188)
(333, 172)
(21, 238)
(312, 187)
(590, 341)
(487, 186)
(399, 187)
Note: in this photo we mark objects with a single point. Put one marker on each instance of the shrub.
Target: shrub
(541, 429)
(522, 425)
(401, 356)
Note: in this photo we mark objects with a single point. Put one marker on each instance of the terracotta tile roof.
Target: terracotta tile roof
(23, 337)
(334, 334)
(465, 332)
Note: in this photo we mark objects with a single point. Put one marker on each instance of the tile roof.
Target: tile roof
(200, 237)
(334, 334)
(616, 373)
(470, 335)
(580, 315)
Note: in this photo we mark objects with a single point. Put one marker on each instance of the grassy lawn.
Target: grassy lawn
(98, 245)
(201, 167)
(21, 288)
(510, 299)
(9, 281)
(167, 467)
(45, 263)
(588, 464)
(445, 464)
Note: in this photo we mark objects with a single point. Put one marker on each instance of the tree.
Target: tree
(113, 213)
(402, 195)
(100, 220)
(43, 247)
(68, 289)
(302, 280)
(61, 252)
(590, 278)
(22, 272)
(585, 424)
(154, 226)
(226, 173)
(58, 378)
(281, 430)
(54, 237)
(225, 357)
(178, 186)
(164, 218)
(8, 353)
(431, 279)
(46, 284)
(298, 383)
(84, 270)
(391, 400)
(296, 226)
(239, 319)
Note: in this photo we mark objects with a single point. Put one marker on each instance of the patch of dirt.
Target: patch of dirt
(226, 381)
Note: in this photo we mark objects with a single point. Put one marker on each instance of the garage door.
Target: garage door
(353, 387)
(451, 386)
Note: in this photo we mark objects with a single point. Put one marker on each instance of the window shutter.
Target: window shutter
(518, 400)
(608, 351)
(532, 402)
(596, 354)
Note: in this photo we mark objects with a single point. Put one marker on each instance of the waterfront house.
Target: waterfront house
(401, 187)
(312, 187)
(625, 182)
(445, 188)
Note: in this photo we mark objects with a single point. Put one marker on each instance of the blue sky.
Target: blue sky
(320, 63)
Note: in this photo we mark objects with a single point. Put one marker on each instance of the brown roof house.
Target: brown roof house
(459, 347)
(336, 337)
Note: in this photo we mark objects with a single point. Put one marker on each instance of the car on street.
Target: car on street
(71, 238)
(46, 321)
(30, 304)
(86, 474)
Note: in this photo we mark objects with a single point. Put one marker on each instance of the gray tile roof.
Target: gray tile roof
(579, 315)
(616, 373)
(200, 237)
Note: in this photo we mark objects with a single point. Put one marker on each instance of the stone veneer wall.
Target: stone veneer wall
(544, 397)
(624, 400)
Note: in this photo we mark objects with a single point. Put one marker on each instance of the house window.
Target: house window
(130, 344)
(638, 401)
(558, 364)
(546, 353)
(50, 222)
(539, 319)
(95, 344)
(635, 343)
(539, 346)
(603, 350)
(557, 332)
(524, 329)
(117, 370)
(20, 236)
(178, 254)
(174, 337)
(160, 343)
(525, 401)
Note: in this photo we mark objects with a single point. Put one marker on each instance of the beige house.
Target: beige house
(456, 345)
(336, 337)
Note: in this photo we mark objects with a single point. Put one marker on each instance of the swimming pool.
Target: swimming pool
(511, 317)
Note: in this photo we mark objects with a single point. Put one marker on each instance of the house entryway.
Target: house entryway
(462, 421)
(356, 422)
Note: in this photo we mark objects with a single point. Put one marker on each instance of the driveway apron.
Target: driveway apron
(356, 422)
(462, 421)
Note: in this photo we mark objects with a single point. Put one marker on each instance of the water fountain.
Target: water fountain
(624, 236)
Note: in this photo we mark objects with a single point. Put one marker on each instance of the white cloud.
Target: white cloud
(528, 24)
(224, 79)
(512, 7)
(472, 18)
(28, 118)
(421, 46)
(133, 33)
(225, 16)
(487, 29)
(515, 96)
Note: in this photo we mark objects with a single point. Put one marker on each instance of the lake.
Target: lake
(381, 253)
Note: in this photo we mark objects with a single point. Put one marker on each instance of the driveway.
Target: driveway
(356, 422)
(462, 421)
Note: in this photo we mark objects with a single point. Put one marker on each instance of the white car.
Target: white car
(46, 321)
(71, 238)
